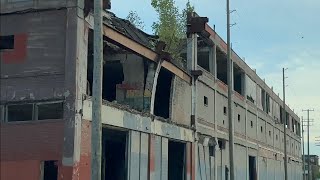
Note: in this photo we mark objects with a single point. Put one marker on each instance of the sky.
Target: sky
(269, 35)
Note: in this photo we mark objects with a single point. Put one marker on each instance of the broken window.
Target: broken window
(50, 170)
(23, 112)
(6, 42)
(163, 92)
(238, 79)
(50, 111)
(114, 157)
(222, 66)
(176, 160)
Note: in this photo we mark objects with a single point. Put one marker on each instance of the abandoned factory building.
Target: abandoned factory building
(163, 117)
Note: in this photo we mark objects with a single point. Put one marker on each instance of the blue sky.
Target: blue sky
(269, 34)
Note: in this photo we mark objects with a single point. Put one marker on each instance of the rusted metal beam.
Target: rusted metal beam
(146, 52)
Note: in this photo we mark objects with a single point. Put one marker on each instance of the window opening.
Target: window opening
(114, 157)
(6, 42)
(50, 111)
(205, 100)
(176, 160)
(163, 92)
(23, 112)
(50, 170)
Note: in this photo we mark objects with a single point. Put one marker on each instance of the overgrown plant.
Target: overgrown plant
(171, 24)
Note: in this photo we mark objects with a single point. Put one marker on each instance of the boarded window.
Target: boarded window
(22, 112)
(50, 111)
(6, 42)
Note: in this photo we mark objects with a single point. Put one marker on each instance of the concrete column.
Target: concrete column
(75, 87)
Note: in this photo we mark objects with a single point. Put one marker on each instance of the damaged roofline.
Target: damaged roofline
(120, 39)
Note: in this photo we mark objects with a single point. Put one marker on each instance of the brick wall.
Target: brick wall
(25, 144)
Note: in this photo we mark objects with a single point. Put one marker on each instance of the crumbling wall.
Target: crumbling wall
(181, 102)
(131, 90)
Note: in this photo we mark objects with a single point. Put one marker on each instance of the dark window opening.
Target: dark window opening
(263, 100)
(281, 115)
(267, 103)
(222, 121)
(292, 125)
(50, 170)
(276, 137)
(162, 97)
(205, 100)
(114, 157)
(261, 128)
(203, 60)
(50, 111)
(222, 66)
(225, 110)
(251, 123)
(222, 144)
(211, 151)
(22, 112)
(238, 82)
(176, 160)
(270, 133)
(239, 118)
(6, 42)
(112, 76)
(252, 168)
(112, 71)
(2, 114)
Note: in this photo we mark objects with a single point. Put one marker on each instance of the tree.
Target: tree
(171, 24)
(135, 19)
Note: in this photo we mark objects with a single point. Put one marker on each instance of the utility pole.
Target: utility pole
(230, 90)
(308, 139)
(284, 114)
(96, 131)
(303, 158)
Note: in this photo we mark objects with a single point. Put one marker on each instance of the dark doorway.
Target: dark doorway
(176, 160)
(162, 98)
(252, 168)
(50, 170)
(114, 154)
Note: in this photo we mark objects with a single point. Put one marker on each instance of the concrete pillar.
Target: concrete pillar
(75, 87)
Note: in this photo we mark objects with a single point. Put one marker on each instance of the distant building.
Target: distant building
(314, 163)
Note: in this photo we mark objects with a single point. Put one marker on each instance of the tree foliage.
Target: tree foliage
(171, 24)
(135, 19)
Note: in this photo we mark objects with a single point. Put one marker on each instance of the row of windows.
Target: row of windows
(31, 111)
